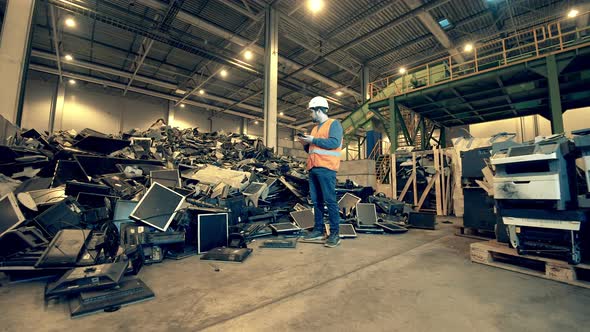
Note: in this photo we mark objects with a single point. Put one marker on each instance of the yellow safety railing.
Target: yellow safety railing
(559, 36)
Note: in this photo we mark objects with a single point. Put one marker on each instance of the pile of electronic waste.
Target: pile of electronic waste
(540, 194)
(89, 210)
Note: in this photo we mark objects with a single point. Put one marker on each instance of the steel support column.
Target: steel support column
(554, 95)
(365, 81)
(393, 114)
(271, 71)
(57, 105)
(442, 139)
(171, 112)
(14, 50)
(423, 135)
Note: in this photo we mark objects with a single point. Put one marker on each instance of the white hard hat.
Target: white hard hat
(318, 102)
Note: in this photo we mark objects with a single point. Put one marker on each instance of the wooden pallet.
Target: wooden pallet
(474, 233)
(499, 255)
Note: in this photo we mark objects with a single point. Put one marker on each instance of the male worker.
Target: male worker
(324, 148)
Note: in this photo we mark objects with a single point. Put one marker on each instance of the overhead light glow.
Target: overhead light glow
(468, 47)
(70, 23)
(72, 81)
(315, 5)
(339, 93)
(256, 122)
(181, 105)
(573, 13)
(68, 57)
(223, 73)
(201, 92)
(179, 91)
(281, 113)
(402, 70)
(248, 55)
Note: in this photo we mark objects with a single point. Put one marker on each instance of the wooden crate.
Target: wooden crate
(500, 255)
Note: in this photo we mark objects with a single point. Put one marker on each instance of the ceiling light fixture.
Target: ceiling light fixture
(70, 22)
(256, 122)
(402, 70)
(468, 47)
(248, 55)
(72, 81)
(573, 13)
(281, 113)
(315, 5)
(68, 57)
(179, 91)
(201, 92)
(181, 105)
(223, 73)
(339, 93)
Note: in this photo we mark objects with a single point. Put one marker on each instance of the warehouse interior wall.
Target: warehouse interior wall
(105, 109)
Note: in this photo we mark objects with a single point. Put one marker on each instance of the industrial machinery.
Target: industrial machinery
(582, 141)
(535, 188)
(539, 173)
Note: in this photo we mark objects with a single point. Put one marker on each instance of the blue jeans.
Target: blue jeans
(322, 188)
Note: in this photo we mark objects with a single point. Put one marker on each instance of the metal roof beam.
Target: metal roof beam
(286, 18)
(241, 41)
(395, 22)
(53, 23)
(432, 26)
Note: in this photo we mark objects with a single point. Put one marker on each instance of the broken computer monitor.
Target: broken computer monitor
(87, 278)
(169, 178)
(237, 255)
(65, 214)
(64, 249)
(345, 231)
(304, 219)
(34, 199)
(284, 228)
(253, 193)
(66, 170)
(366, 214)
(390, 227)
(158, 207)
(102, 145)
(347, 203)
(212, 231)
(123, 210)
(10, 214)
(129, 291)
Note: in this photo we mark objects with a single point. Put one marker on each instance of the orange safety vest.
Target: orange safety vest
(319, 157)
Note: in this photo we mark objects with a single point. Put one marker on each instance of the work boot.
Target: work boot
(314, 235)
(332, 241)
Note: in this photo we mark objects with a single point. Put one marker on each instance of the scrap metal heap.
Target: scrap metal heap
(89, 210)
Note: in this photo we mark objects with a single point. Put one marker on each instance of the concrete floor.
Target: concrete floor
(418, 281)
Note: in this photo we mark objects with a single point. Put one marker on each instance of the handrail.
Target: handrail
(540, 41)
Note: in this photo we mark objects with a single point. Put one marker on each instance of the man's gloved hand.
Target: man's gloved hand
(307, 139)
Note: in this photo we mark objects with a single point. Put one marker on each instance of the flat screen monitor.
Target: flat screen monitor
(169, 178)
(212, 231)
(305, 218)
(158, 207)
(10, 214)
(366, 214)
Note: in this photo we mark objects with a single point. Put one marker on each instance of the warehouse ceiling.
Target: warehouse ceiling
(181, 49)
